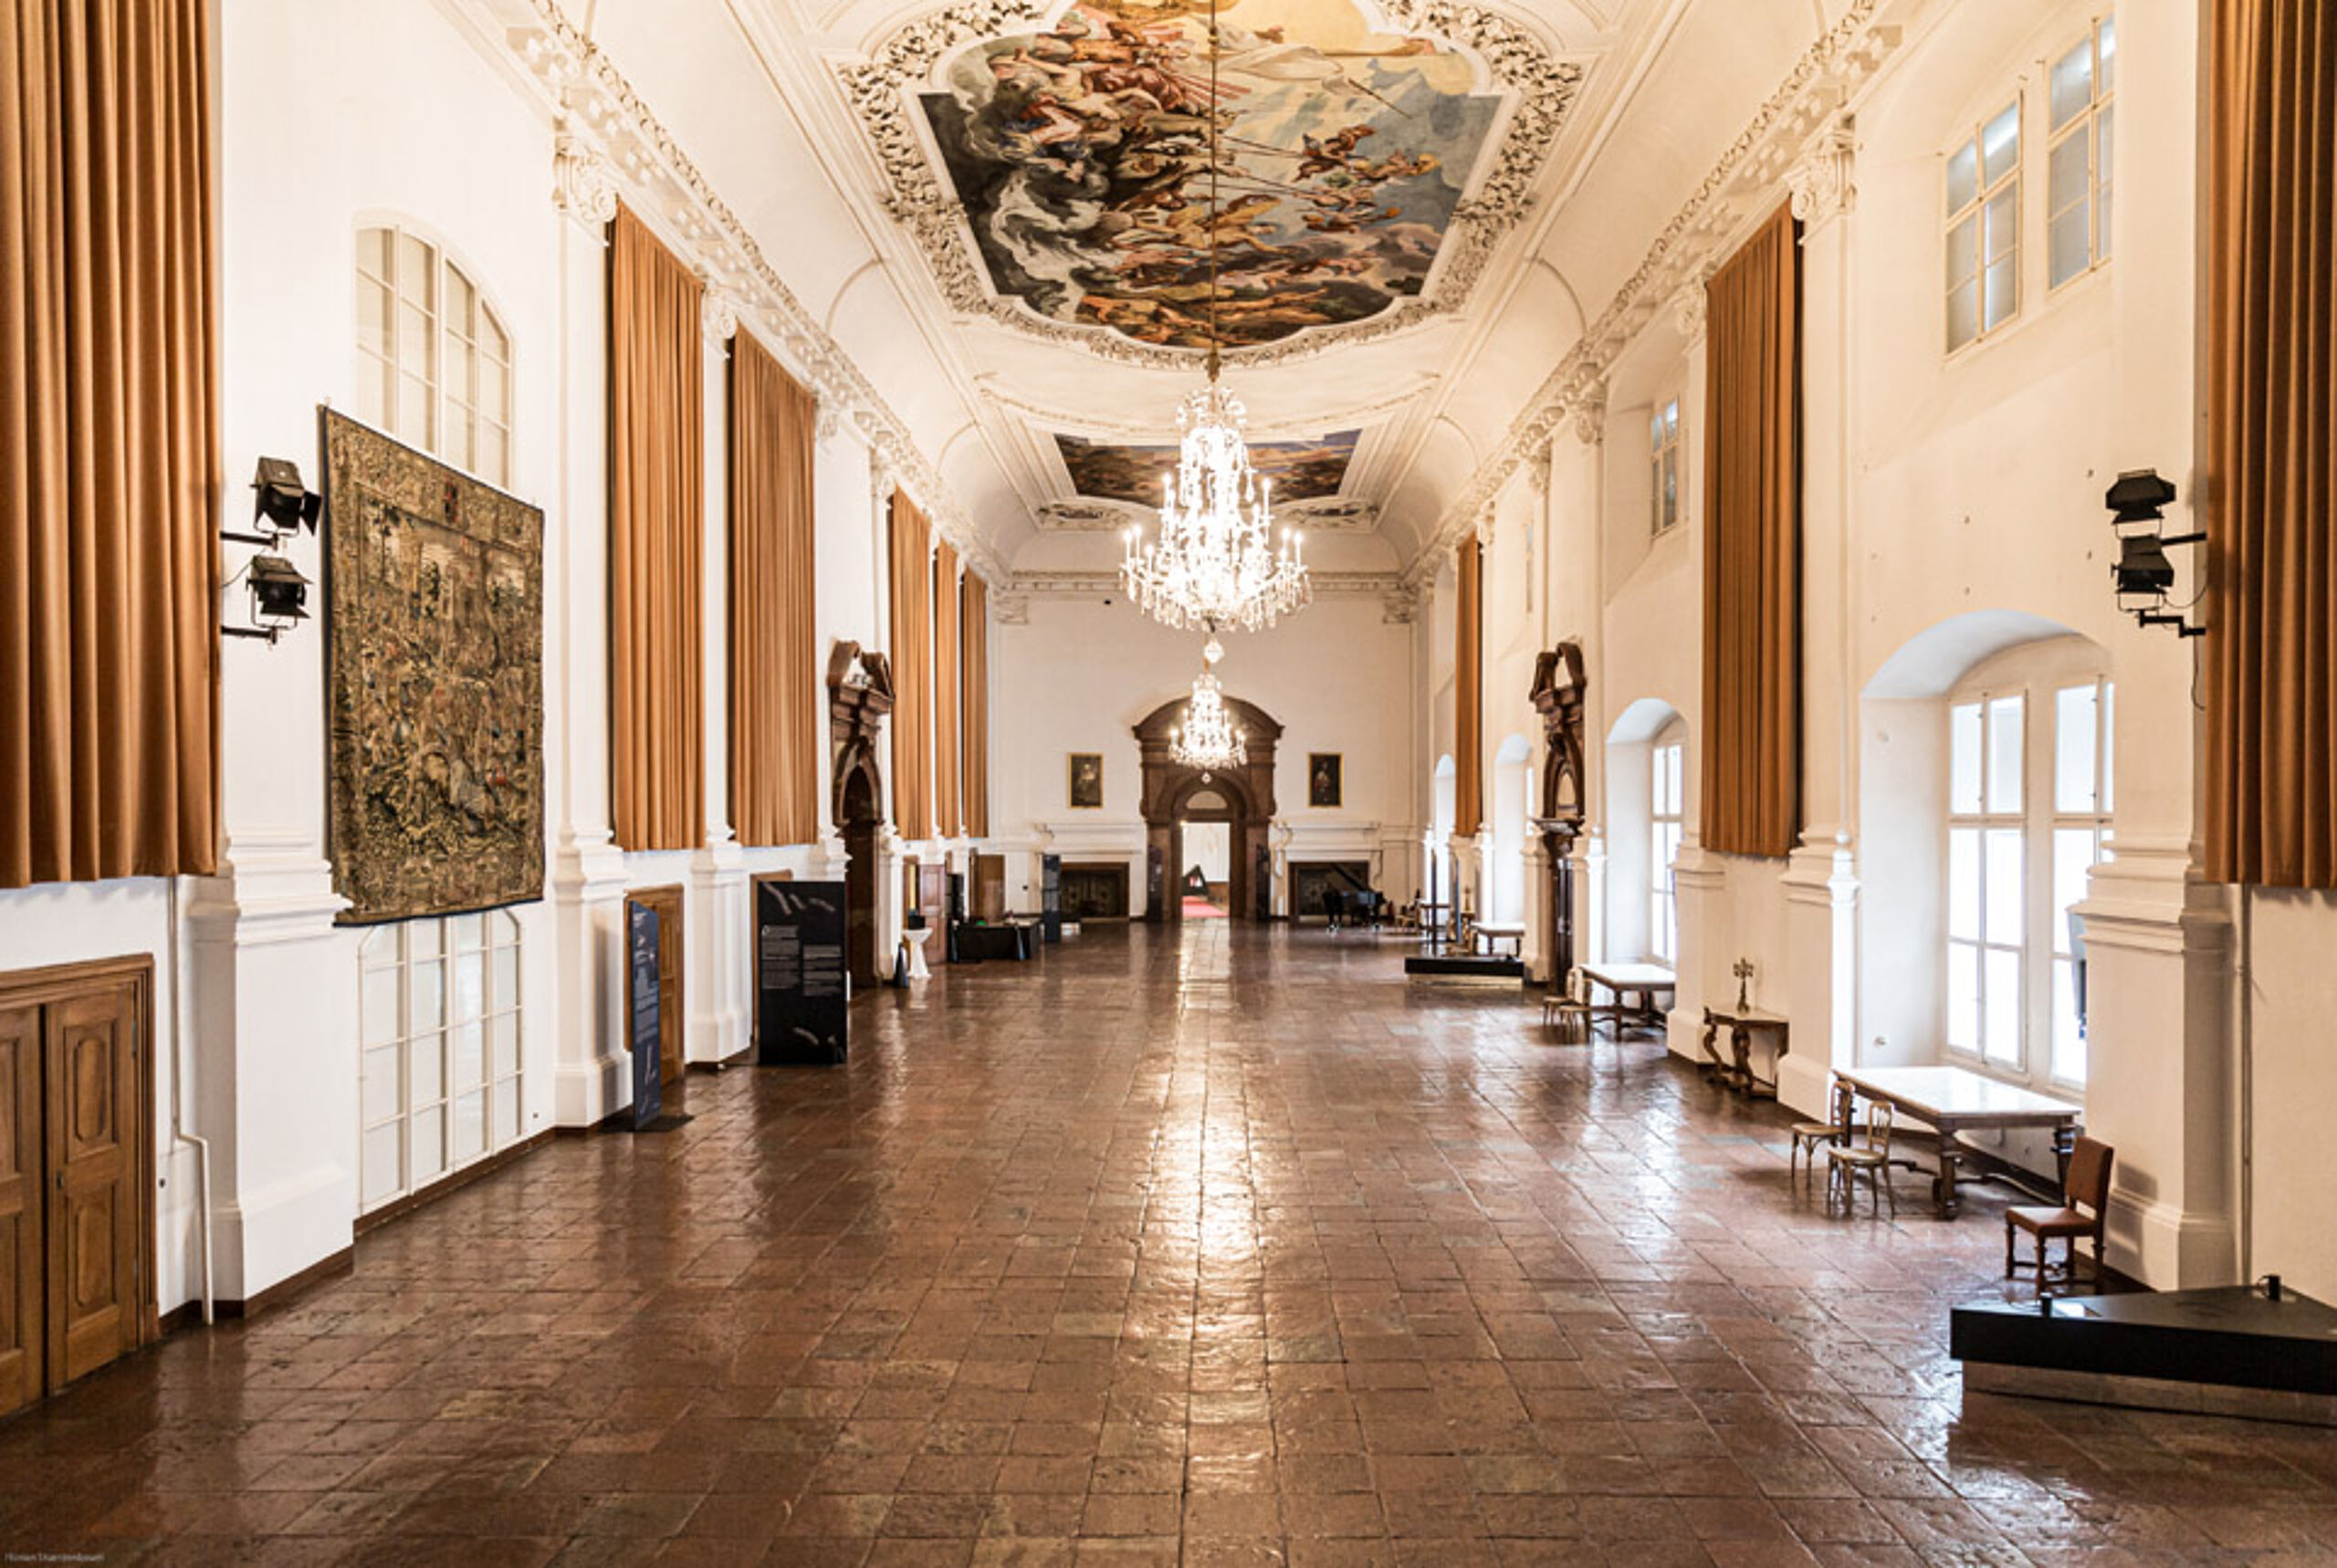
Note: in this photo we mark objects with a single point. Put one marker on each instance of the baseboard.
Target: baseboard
(281, 1292)
(455, 1182)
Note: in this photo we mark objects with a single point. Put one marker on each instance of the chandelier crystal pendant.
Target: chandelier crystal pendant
(1208, 738)
(1215, 564)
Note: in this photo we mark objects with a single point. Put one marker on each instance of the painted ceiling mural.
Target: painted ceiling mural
(1080, 155)
(1119, 471)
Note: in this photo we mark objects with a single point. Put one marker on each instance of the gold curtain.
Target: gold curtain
(1469, 693)
(2272, 445)
(108, 443)
(657, 501)
(948, 702)
(974, 678)
(912, 632)
(1752, 731)
(773, 652)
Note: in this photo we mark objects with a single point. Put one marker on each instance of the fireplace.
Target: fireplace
(1096, 891)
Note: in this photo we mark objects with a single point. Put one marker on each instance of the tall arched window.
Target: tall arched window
(2028, 802)
(434, 361)
(1667, 803)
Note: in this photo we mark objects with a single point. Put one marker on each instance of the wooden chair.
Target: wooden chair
(1566, 1009)
(2084, 1207)
(1808, 1137)
(1870, 1155)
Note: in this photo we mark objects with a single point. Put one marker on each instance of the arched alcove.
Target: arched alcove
(1647, 784)
(1511, 805)
(1170, 788)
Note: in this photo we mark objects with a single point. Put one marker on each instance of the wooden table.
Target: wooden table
(1951, 1100)
(1488, 932)
(1743, 1024)
(1644, 980)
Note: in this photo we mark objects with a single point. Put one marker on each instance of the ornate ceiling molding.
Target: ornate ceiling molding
(1801, 119)
(608, 142)
(1097, 515)
(882, 91)
(1029, 585)
(1823, 184)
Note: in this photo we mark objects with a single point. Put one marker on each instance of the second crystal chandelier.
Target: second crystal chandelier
(1208, 738)
(1215, 564)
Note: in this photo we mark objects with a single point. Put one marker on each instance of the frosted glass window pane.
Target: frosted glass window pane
(375, 388)
(417, 270)
(507, 1112)
(421, 939)
(381, 1006)
(503, 1044)
(2073, 858)
(470, 1125)
(417, 416)
(2065, 242)
(414, 330)
(470, 1056)
(428, 1007)
(2072, 83)
(493, 385)
(1676, 759)
(373, 250)
(456, 448)
(2103, 144)
(470, 986)
(506, 993)
(429, 1143)
(2003, 754)
(2073, 750)
(493, 454)
(1964, 757)
(465, 932)
(1964, 251)
(1964, 315)
(1963, 883)
(2069, 1044)
(2003, 1006)
(2108, 36)
(382, 1176)
(2003, 225)
(2109, 749)
(2000, 144)
(1963, 178)
(2005, 897)
(427, 1068)
(493, 338)
(459, 300)
(373, 316)
(379, 1100)
(1964, 996)
(2002, 295)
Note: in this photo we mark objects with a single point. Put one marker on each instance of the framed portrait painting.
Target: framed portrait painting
(1087, 781)
(1325, 787)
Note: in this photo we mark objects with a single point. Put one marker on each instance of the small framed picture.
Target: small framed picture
(1324, 787)
(1087, 781)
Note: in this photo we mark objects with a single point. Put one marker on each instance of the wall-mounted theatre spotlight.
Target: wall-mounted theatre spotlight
(2142, 575)
(281, 506)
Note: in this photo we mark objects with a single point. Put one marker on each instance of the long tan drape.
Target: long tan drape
(774, 650)
(911, 579)
(656, 518)
(1469, 692)
(2272, 644)
(1752, 733)
(108, 443)
(948, 700)
(974, 677)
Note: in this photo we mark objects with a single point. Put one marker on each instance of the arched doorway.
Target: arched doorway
(1174, 794)
(859, 813)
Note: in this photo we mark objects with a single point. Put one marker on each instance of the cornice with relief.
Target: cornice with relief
(608, 143)
(1796, 139)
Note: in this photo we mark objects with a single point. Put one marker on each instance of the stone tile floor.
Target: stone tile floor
(1218, 1248)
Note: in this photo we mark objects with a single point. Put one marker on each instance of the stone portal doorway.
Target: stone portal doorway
(1242, 797)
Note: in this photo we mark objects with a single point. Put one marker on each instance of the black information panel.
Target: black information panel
(1051, 896)
(642, 992)
(800, 992)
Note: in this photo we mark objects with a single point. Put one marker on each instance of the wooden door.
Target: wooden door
(93, 1253)
(667, 903)
(23, 1347)
(989, 888)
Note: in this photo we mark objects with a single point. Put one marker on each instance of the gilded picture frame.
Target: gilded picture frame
(1325, 780)
(1087, 781)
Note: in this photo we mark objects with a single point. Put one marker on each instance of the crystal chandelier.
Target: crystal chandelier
(1214, 565)
(1207, 739)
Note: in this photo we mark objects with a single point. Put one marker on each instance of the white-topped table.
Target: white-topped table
(1488, 932)
(1951, 1098)
(1641, 979)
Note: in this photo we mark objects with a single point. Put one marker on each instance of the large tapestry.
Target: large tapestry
(1081, 154)
(433, 594)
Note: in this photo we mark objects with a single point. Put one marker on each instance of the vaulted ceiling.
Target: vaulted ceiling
(996, 212)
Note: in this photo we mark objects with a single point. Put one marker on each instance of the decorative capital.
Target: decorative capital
(580, 186)
(1822, 182)
(1010, 609)
(1401, 606)
(1688, 310)
(1537, 471)
(1590, 415)
(830, 424)
(1488, 524)
(719, 316)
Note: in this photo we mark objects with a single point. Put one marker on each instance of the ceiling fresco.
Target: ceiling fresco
(1117, 471)
(1081, 157)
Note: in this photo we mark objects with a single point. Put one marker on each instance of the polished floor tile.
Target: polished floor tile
(1218, 1247)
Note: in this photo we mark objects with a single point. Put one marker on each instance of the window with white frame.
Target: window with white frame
(1663, 467)
(1665, 761)
(2078, 155)
(1984, 228)
(434, 361)
(2028, 818)
(440, 1081)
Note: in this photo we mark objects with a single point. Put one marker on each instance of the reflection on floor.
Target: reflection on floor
(1216, 1245)
(1201, 909)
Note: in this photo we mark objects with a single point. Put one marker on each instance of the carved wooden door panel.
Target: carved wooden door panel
(94, 1290)
(21, 1347)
